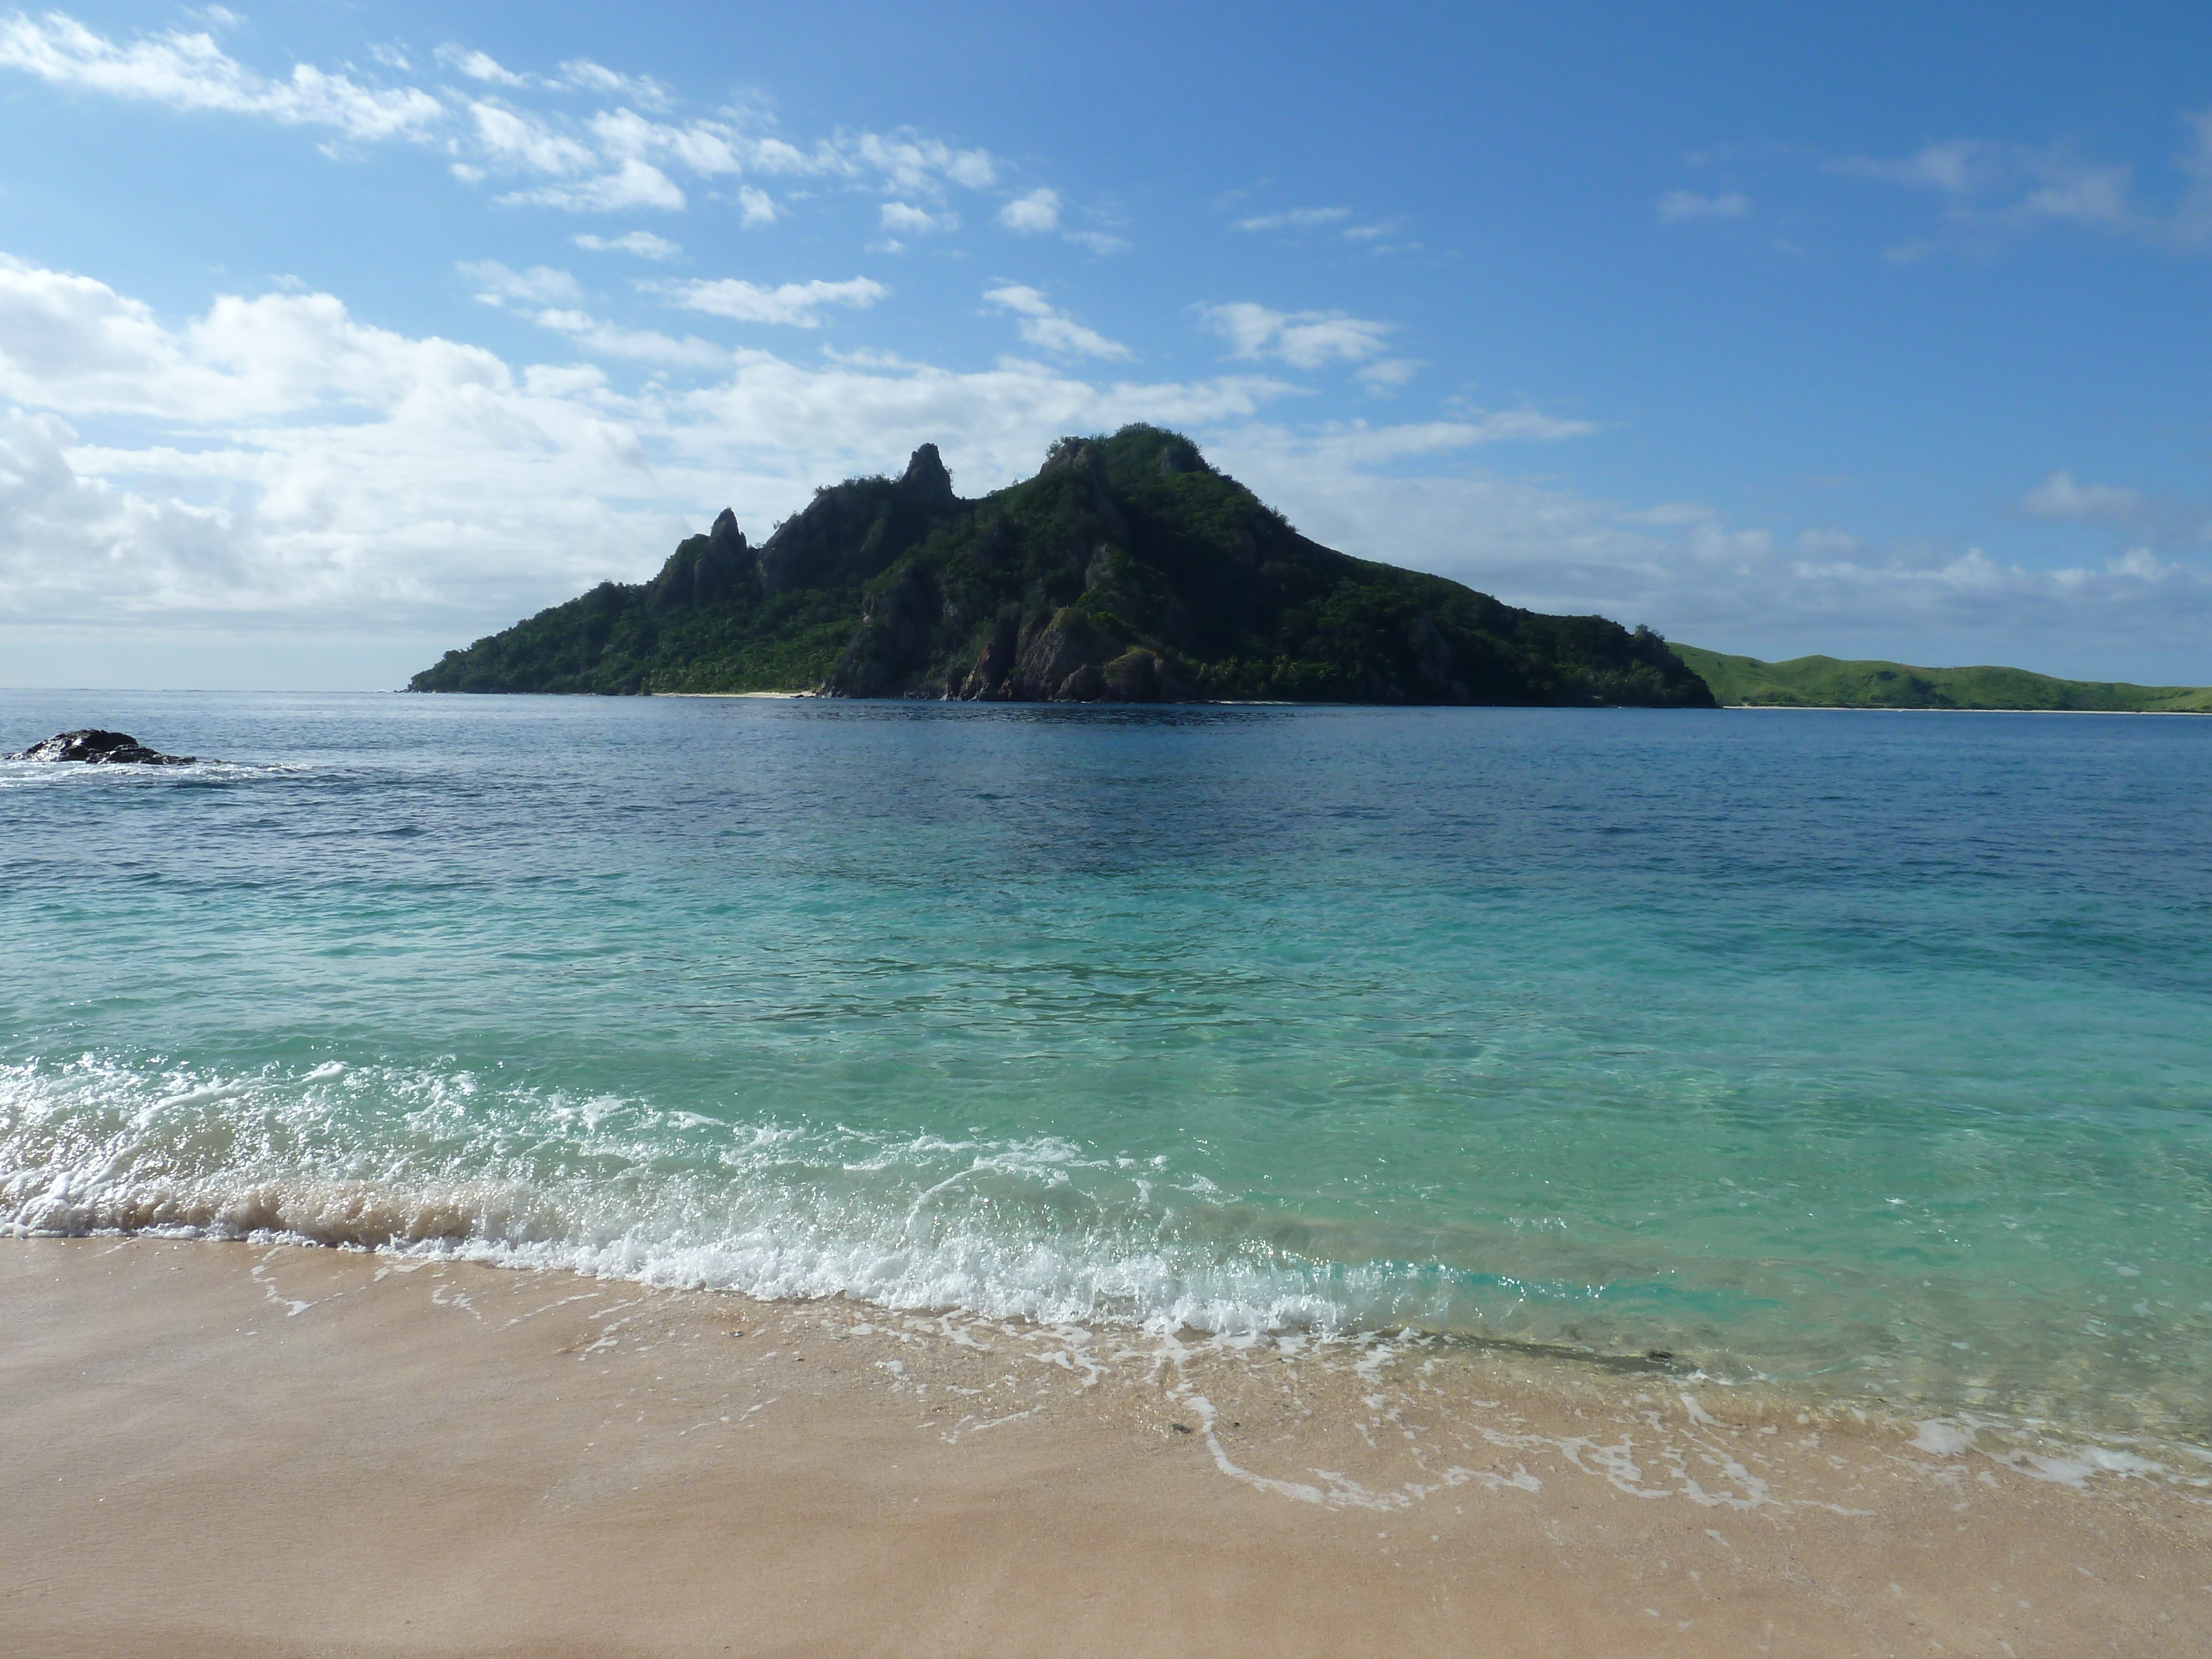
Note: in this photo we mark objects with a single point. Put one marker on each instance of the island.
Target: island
(1831, 683)
(1127, 569)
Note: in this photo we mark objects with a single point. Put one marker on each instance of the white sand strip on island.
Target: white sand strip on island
(244, 1450)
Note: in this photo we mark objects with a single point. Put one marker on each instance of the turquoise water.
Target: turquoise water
(1867, 1053)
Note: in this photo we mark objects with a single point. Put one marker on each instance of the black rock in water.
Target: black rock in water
(97, 748)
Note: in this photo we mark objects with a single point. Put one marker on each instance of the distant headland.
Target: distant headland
(1831, 683)
(1126, 570)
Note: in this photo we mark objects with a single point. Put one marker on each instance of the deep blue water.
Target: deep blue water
(1871, 1053)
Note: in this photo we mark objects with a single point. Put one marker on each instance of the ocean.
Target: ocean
(1863, 1054)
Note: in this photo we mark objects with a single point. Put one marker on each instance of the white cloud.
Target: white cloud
(585, 75)
(1030, 214)
(902, 217)
(1678, 205)
(1988, 186)
(515, 140)
(479, 66)
(642, 243)
(191, 72)
(643, 346)
(2163, 520)
(634, 184)
(1303, 339)
(2059, 497)
(755, 207)
(1043, 324)
(797, 305)
(704, 148)
(279, 460)
(539, 285)
(72, 344)
(910, 162)
(1390, 371)
(1099, 242)
(1294, 219)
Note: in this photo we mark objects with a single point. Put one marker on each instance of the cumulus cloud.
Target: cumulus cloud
(642, 243)
(191, 72)
(1032, 214)
(1043, 324)
(756, 207)
(1678, 205)
(796, 305)
(1303, 339)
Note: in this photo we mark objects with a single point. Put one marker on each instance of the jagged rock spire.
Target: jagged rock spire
(926, 477)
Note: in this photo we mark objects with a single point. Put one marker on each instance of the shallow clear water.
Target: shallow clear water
(1869, 1051)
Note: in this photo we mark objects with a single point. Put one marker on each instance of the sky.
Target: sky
(333, 336)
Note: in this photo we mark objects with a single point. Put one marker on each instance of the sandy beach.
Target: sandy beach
(246, 1449)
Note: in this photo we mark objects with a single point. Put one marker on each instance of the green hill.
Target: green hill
(1126, 570)
(1828, 682)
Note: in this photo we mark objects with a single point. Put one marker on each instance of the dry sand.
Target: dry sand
(242, 1449)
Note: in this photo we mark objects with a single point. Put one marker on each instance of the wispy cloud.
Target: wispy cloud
(192, 72)
(904, 219)
(1294, 219)
(1044, 324)
(1678, 205)
(539, 285)
(794, 305)
(634, 184)
(614, 158)
(1303, 339)
(642, 243)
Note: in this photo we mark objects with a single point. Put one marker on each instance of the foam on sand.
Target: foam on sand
(554, 1463)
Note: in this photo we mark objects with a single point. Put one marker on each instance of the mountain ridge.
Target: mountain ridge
(1127, 570)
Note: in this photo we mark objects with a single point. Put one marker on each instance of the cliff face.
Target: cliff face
(1126, 570)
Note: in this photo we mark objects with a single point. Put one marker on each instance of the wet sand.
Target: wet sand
(243, 1450)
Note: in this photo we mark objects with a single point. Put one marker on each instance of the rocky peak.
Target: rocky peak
(925, 478)
(725, 537)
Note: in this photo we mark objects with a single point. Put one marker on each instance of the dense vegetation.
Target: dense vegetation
(1126, 570)
(1827, 683)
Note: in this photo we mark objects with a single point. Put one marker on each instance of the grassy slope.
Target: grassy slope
(1830, 682)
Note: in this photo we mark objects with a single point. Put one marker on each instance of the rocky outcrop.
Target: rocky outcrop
(95, 747)
(927, 483)
(891, 640)
(706, 570)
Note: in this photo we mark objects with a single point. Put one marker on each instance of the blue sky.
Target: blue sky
(333, 336)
